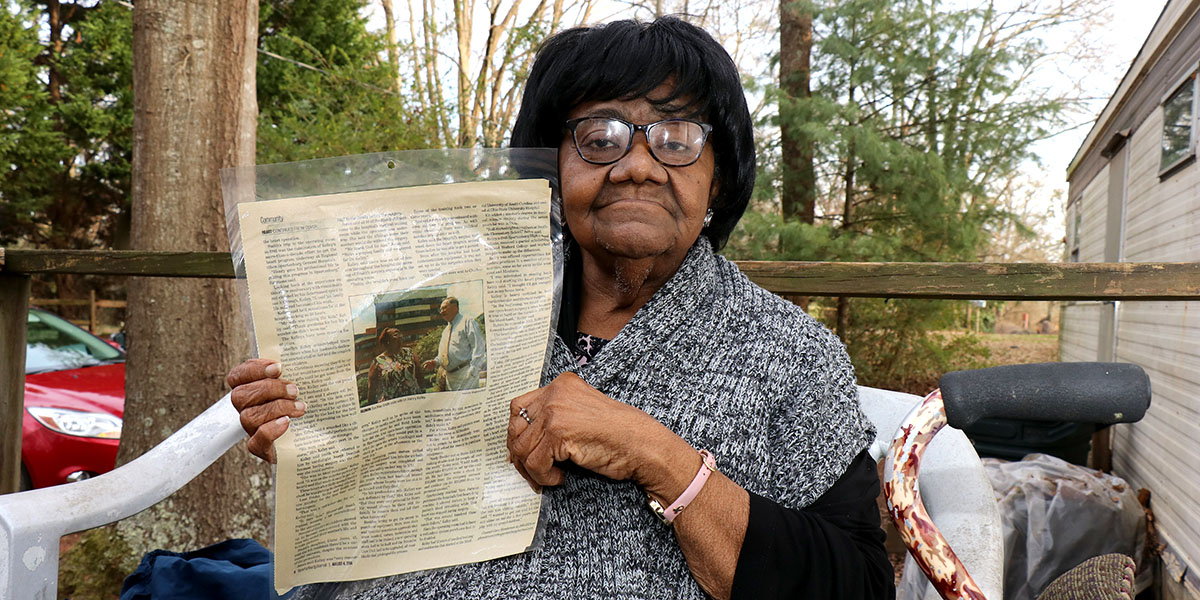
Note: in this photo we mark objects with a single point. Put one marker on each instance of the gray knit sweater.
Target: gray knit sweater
(726, 365)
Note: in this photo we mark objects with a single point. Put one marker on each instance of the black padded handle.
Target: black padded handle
(1101, 393)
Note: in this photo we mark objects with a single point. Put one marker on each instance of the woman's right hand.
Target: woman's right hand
(265, 403)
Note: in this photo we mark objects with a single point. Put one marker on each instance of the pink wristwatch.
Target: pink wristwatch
(707, 466)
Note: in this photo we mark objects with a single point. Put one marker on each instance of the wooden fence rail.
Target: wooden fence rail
(956, 281)
(92, 303)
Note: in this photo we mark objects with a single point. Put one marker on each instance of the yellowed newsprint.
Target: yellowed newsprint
(400, 464)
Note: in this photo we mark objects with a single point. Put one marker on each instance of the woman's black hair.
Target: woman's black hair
(629, 59)
(379, 340)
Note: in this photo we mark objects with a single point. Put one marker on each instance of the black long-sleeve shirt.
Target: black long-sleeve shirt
(830, 549)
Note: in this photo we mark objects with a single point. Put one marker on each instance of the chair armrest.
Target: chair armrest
(32, 522)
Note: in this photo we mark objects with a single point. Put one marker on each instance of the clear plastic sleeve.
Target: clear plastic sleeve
(394, 349)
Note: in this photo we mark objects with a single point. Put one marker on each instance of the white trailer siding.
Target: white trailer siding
(1080, 326)
(1077, 338)
(1162, 218)
(1159, 221)
(1162, 453)
(1093, 210)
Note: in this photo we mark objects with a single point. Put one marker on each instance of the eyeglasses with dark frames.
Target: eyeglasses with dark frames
(605, 140)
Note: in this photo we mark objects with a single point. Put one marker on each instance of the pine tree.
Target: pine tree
(66, 111)
(919, 113)
(323, 90)
(27, 136)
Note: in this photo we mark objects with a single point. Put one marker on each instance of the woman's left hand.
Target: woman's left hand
(570, 421)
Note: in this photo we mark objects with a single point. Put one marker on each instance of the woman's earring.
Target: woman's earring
(708, 217)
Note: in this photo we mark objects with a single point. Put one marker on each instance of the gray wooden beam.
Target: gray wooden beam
(981, 281)
(949, 281)
(120, 262)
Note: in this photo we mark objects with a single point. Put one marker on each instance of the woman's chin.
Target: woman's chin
(638, 245)
(634, 239)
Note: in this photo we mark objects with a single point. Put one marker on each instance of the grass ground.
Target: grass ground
(1019, 349)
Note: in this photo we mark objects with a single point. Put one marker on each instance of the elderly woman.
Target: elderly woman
(697, 434)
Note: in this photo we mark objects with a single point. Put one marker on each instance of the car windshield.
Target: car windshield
(53, 344)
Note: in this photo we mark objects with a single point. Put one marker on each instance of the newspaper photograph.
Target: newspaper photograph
(408, 318)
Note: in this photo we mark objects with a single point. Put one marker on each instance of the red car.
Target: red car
(74, 402)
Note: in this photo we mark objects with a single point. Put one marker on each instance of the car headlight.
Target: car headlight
(81, 424)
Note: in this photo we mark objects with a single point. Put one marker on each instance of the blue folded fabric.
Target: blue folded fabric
(230, 570)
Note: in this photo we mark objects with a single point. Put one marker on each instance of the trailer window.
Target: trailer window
(1179, 132)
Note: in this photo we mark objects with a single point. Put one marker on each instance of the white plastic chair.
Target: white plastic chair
(32, 522)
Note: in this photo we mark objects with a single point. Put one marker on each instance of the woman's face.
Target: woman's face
(636, 207)
(392, 341)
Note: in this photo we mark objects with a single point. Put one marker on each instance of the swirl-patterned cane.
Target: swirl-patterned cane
(926, 544)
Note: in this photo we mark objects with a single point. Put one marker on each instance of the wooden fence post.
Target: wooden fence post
(92, 312)
(14, 308)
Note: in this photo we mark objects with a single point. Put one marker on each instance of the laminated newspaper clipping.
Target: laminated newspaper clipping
(408, 318)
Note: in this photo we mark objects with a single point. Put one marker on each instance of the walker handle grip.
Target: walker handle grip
(1086, 392)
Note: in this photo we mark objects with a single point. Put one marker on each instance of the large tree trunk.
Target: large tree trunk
(194, 113)
(843, 303)
(799, 193)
